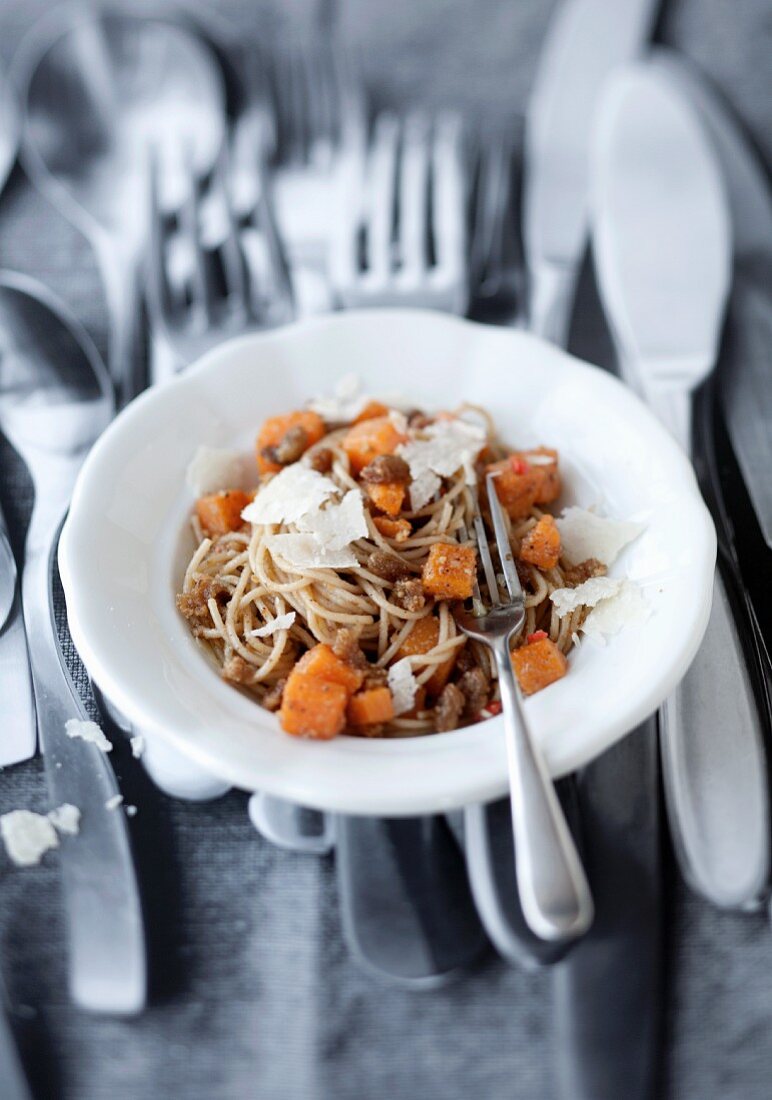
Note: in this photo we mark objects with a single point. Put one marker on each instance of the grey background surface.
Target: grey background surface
(253, 995)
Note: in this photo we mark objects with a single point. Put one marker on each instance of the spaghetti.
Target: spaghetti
(258, 612)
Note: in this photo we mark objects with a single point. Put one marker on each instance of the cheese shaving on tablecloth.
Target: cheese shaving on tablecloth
(65, 819)
(87, 731)
(27, 836)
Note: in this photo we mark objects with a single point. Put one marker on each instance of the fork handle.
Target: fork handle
(554, 894)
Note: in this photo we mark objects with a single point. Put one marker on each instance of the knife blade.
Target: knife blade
(745, 388)
(19, 730)
(585, 41)
(661, 247)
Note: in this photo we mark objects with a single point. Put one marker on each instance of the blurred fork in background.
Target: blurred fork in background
(317, 108)
(400, 237)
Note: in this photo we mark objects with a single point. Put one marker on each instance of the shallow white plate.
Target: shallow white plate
(124, 547)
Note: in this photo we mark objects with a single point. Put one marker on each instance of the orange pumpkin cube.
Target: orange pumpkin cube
(219, 513)
(449, 571)
(323, 664)
(365, 441)
(275, 429)
(388, 496)
(516, 487)
(312, 707)
(371, 410)
(545, 461)
(541, 546)
(422, 639)
(371, 706)
(538, 664)
(396, 529)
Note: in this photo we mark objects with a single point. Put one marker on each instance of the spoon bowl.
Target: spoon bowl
(98, 92)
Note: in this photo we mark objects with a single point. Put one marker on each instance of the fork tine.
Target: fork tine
(158, 287)
(502, 541)
(202, 290)
(381, 183)
(485, 555)
(414, 180)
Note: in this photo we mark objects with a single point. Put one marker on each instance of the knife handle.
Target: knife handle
(714, 765)
(104, 920)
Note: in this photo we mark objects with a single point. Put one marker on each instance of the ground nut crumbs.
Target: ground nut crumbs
(346, 646)
(238, 671)
(449, 708)
(408, 594)
(386, 469)
(387, 566)
(321, 460)
(475, 687)
(574, 575)
(272, 698)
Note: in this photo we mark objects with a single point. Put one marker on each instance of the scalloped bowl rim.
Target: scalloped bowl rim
(158, 677)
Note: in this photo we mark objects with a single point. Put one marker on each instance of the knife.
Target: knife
(661, 243)
(608, 992)
(585, 41)
(745, 388)
(18, 740)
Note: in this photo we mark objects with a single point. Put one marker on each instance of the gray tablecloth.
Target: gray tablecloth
(253, 995)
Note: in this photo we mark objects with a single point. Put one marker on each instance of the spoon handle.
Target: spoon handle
(106, 965)
(553, 889)
(119, 268)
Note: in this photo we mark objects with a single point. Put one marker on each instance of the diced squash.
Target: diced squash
(275, 429)
(365, 441)
(397, 529)
(449, 571)
(312, 707)
(323, 664)
(371, 410)
(371, 706)
(541, 546)
(545, 461)
(421, 639)
(219, 513)
(389, 496)
(517, 488)
(526, 478)
(538, 664)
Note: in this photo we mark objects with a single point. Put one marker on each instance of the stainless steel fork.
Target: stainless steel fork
(554, 893)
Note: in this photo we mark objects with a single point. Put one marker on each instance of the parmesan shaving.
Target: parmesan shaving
(137, 746)
(585, 535)
(403, 686)
(65, 819)
(212, 469)
(423, 488)
(451, 445)
(339, 523)
(304, 551)
(588, 594)
(87, 731)
(114, 802)
(281, 622)
(27, 836)
(294, 492)
(345, 404)
(626, 608)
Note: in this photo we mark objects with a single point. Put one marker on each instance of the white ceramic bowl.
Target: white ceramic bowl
(124, 547)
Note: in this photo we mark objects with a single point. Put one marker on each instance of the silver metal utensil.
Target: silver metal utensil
(745, 388)
(586, 39)
(661, 240)
(55, 399)
(18, 740)
(96, 91)
(553, 889)
(9, 129)
(400, 237)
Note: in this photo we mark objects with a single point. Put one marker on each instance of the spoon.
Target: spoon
(55, 399)
(98, 90)
(9, 130)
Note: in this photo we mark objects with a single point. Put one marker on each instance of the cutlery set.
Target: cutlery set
(298, 206)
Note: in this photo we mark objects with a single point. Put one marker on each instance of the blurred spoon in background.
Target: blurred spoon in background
(96, 91)
(9, 129)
